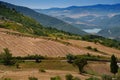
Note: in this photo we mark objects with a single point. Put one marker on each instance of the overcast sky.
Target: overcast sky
(43, 4)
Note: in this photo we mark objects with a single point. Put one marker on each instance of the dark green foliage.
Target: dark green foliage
(106, 77)
(76, 78)
(102, 40)
(89, 47)
(42, 70)
(7, 79)
(80, 63)
(69, 77)
(89, 57)
(55, 78)
(29, 25)
(113, 65)
(6, 57)
(30, 57)
(95, 49)
(70, 58)
(33, 78)
(93, 78)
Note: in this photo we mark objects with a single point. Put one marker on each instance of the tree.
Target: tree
(80, 63)
(70, 58)
(113, 65)
(6, 57)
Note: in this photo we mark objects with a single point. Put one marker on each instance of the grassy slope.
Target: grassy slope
(11, 19)
(47, 47)
(46, 20)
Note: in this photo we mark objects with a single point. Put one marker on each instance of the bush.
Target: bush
(42, 70)
(6, 57)
(76, 78)
(69, 77)
(93, 78)
(89, 47)
(95, 49)
(70, 58)
(7, 79)
(33, 78)
(106, 77)
(55, 78)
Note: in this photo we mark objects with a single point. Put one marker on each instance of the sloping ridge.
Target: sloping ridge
(21, 46)
(45, 19)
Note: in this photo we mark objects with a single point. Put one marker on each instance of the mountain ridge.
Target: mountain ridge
(101, 16)
(96, 5)
(45, 20)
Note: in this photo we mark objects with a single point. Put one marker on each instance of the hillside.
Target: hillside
(21, 45)
(114, 26)
(45, 20)
(100, 16)
(11, 19)
(111, 32)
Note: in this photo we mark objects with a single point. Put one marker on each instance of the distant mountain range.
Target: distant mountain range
(45, 20)
(105, 17)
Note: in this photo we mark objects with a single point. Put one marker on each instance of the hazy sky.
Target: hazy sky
(58, 3)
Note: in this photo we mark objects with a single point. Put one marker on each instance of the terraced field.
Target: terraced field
(22, 46)
(101, 48)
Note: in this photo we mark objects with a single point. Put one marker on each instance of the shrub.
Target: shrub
(69, 77)
(93, 78)
(95, 49)
(33, 78)
(106, 77)
(76, 78)
(42, 70)
(7, 79)
(55, 78)
(89, 47)
(70, 58)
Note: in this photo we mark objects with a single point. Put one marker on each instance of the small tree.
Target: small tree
(80, 63)
(6, 57)
(69, 77)
(113, 65)
(70, 58)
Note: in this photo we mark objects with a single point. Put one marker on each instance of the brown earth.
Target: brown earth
(22, 46)
(102, 48)
(24, 75)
